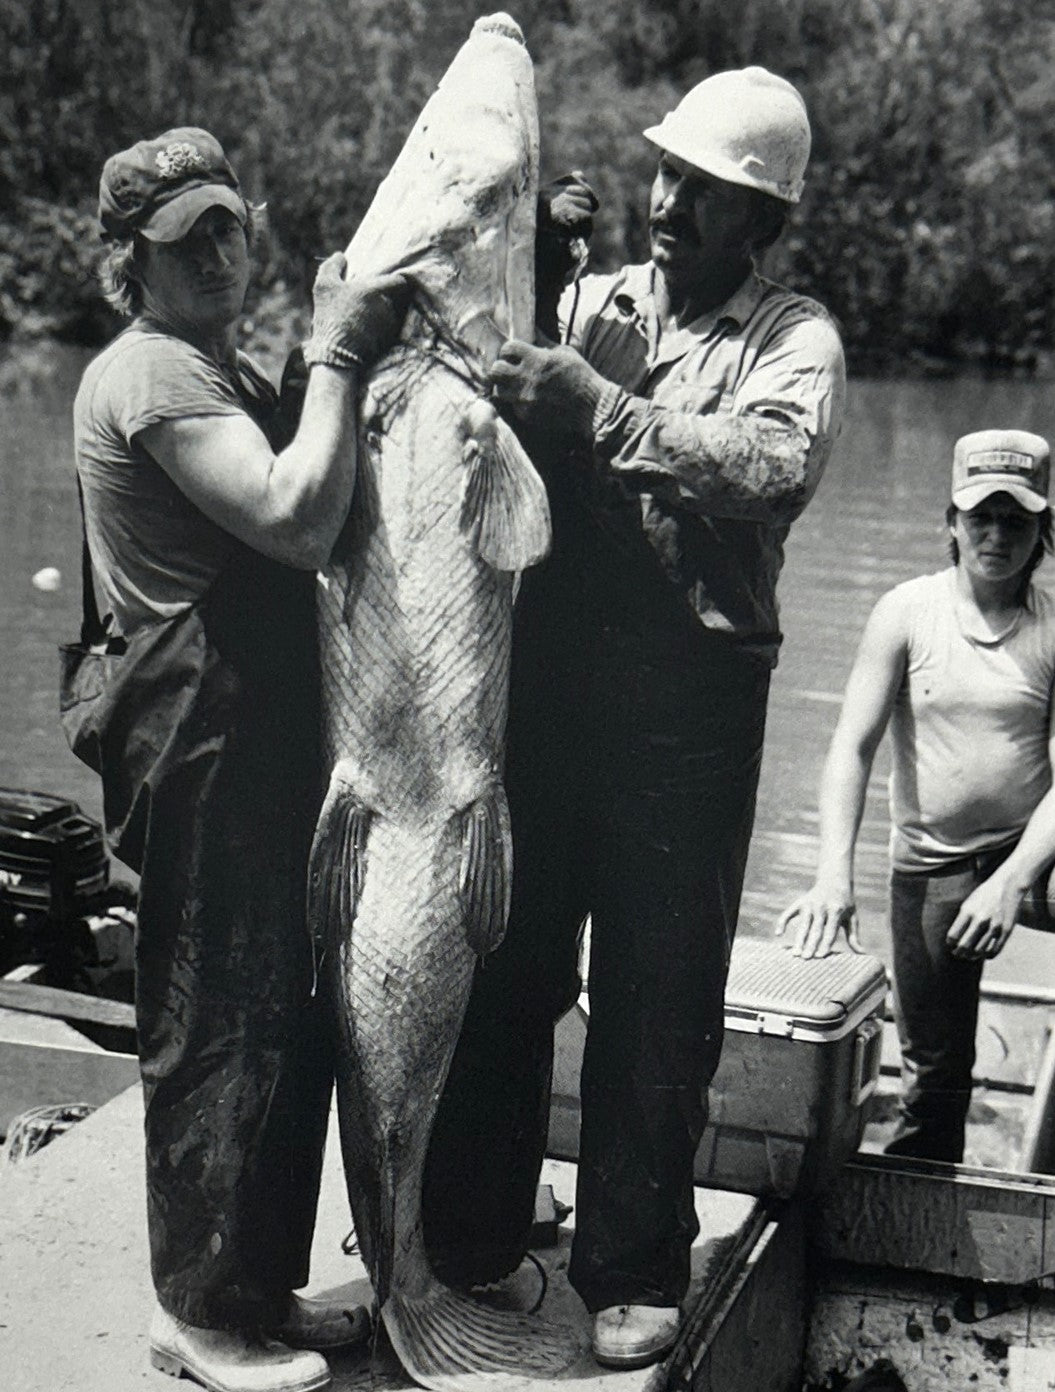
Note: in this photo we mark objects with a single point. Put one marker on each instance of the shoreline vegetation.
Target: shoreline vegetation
(928, 225)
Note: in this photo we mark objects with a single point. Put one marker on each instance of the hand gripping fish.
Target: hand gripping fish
(410, 876)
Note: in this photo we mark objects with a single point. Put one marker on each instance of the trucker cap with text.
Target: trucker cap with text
(160, 187)
(1001, 461)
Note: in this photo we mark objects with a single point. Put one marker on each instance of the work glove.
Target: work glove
(566, 206)
(564, 225)
(355, 321)
(550, 385)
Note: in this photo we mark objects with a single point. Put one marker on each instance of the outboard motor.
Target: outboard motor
(54, 876)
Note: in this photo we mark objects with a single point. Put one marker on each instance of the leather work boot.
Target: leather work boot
(322, 1324)
(224, 1361)
(633, 1336)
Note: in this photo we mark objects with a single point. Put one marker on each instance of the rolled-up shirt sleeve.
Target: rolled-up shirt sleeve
(757, 456)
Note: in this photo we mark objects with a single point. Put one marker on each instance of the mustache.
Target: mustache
(681, 227)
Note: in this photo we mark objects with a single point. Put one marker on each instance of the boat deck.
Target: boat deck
(75, 1293)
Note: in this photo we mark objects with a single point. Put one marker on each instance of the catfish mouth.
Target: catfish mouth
(500, 23)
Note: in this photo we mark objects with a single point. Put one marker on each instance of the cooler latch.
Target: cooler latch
(775, 1024)
(864, 1071)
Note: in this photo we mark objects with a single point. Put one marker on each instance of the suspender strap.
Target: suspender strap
(93, 630)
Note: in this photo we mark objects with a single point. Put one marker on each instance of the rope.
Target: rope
(545, 1282)
(33, 1130)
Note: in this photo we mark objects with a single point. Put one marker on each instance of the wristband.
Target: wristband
(332, 355)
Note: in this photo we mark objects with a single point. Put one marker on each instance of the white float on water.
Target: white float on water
(48, 579)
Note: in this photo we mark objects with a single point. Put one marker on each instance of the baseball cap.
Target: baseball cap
(1001, 461)
(160, 187)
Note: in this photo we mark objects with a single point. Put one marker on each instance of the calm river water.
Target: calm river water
(877, 519)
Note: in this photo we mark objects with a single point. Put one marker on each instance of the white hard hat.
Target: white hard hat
(747, 126)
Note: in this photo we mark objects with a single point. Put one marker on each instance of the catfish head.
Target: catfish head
(456, 211)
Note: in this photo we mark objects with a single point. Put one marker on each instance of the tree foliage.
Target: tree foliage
(928, 221)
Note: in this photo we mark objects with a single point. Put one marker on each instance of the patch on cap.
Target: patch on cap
(1000, 461)
(142, 182)
(177, 159)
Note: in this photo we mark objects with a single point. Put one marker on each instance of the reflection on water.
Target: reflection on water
(877, 519)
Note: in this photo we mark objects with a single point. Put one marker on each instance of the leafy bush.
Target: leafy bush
(927, 224)
(48, 255)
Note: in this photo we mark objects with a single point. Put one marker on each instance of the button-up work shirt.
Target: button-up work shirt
(719, 431)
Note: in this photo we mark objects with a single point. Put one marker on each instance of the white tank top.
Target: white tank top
(970, 727)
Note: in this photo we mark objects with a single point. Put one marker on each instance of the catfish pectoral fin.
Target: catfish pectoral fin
(486, 870)
(505, 499)
(451, 1343)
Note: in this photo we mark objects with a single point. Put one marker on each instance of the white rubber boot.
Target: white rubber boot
(224, 1361)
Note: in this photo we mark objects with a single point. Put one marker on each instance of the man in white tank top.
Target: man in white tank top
(961, 665)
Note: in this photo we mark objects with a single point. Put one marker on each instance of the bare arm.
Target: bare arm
(988, 914)
(291, 506)
(874, 681)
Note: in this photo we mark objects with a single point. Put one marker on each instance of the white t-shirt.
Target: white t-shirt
(970, 727)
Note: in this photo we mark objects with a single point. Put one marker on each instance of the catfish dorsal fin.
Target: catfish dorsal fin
(504, 503)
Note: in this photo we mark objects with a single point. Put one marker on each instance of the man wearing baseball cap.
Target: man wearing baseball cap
(961, 666)
(204, 518)
(160, 187)
(683, 423)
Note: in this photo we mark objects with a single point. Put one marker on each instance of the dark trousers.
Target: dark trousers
(235, 1058)
(632, 780)
(935, 1006)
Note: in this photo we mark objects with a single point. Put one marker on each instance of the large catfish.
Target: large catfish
(412, 859)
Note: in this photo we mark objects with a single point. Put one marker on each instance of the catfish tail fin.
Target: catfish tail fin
(505, 501)
(452, 1343)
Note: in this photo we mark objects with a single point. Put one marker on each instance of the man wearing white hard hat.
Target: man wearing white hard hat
(961, 666)
(682, 424)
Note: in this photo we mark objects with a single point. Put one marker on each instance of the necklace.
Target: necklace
(978, 632)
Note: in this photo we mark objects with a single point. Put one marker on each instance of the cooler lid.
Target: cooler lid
(770, 991)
